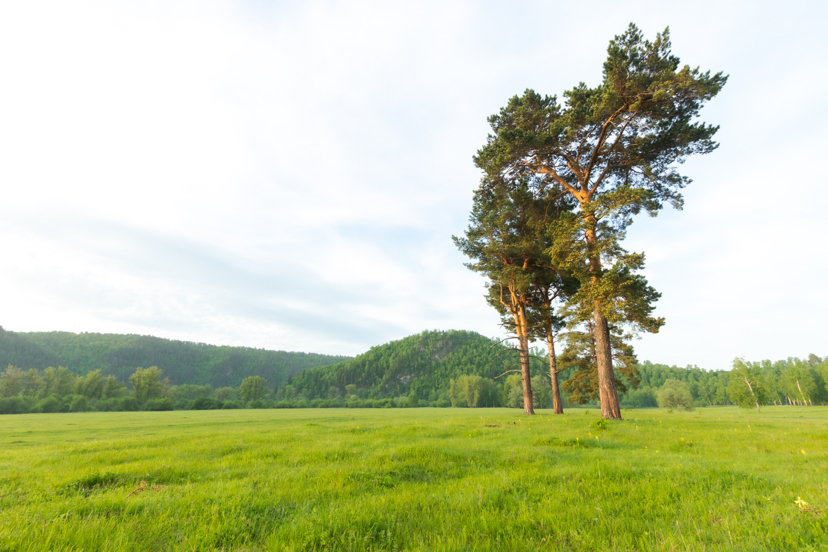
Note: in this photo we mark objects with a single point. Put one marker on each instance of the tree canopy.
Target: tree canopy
(615, 149)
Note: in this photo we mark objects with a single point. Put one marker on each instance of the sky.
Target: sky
(288, 175)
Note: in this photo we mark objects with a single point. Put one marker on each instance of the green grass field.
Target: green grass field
(415, 479)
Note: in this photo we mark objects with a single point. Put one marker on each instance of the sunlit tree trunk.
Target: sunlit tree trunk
(521, 328)
(607, 394)
(557, 404)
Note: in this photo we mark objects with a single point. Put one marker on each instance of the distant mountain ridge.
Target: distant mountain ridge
(182, 362)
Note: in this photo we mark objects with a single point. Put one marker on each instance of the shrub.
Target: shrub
(159, 404)
(231, 405)
(640, 398)
(675, 394)
(128, 404)
(14, 405)
(79, 404)
(206, 403)
(49, 404)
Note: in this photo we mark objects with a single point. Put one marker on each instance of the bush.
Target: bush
(14, 405)
(206, 403)
(443, 402)
(159, 404)
(258, 403)
(105, 405)
(675, 394)
(128, 404)
(49, 404)
(228, 405)
(79, 404)
(640, 398)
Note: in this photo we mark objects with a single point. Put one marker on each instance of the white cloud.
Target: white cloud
(288, 175)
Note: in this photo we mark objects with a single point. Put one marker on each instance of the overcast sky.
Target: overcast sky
(288, 175)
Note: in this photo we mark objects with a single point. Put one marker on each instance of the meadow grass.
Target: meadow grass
(415, 479)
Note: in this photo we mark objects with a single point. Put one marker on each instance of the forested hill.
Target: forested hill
(182, 362)
(424, 363)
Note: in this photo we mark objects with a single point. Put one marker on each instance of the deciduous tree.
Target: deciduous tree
(253, 388)
(148, 384)
(746, 386)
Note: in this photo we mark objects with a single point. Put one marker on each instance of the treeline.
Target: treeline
(182, 362)
(405, 378)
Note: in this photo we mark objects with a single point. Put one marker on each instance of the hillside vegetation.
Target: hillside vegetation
(182, 362)
(424, 363)
(433, 368)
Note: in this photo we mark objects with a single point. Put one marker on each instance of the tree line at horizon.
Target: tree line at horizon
(561, 184)
(436, 369)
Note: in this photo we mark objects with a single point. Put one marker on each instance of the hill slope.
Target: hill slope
(424, 363)
(181, 361)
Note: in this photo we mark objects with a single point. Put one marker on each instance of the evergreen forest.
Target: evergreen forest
(181, 361)
(434, 368)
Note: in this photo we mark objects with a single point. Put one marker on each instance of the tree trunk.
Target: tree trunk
(755, 398)
(521, 329)
(804, 400)
(557, 405)
(607, 393)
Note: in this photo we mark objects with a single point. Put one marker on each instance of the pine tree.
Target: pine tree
(614, 149)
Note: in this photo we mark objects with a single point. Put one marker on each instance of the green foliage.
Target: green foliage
(675, 394)
(640, 398)
(79, 403)
(253, 388)
(747, 388)
(424, 362)
(225, 393)
(147, 384)
(160, 404)
(183, 362)
(11, 382)
(600, 424)
(473, 391)
(206, 403)
(614, 150)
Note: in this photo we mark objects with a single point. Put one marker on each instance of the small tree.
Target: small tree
(113, 388)
(799, 382)
(746, 386)
(413, 399)
(148, 384)
(253, 388)
(33, 383)
(675, 394)
(11, 381)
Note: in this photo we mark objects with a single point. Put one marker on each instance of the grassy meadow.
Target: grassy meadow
(415, 479)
